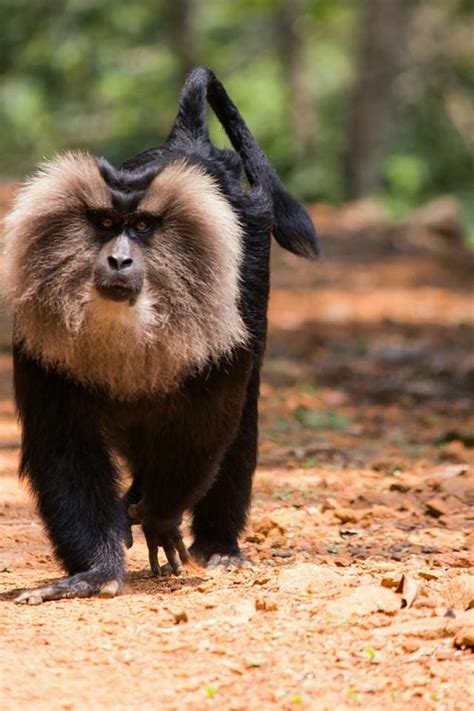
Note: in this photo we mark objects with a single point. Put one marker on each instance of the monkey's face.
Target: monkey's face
(124, 288)
(119, 271)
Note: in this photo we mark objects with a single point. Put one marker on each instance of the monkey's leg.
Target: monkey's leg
(75, 484)
(220, 516)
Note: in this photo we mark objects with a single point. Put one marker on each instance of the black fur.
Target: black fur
(195, 449)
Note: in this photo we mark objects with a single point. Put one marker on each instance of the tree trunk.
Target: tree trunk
(384, 28)
(291, 46)
(182, 35)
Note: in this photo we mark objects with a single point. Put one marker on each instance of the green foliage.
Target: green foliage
(105, 76)
(405, 177)
(210, 691)
(316, 419)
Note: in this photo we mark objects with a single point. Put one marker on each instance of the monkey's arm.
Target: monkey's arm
(74, 481)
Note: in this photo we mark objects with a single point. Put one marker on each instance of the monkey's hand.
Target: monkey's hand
(162, 534)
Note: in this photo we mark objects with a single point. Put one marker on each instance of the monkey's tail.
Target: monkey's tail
(292, 226)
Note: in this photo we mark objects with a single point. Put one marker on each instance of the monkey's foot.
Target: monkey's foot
(206, 554)
(85, 584)
(220, 560)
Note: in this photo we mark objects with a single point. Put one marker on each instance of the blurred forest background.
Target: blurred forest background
(349, 97)
(365, 483)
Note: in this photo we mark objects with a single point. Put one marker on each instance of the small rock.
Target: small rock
(349, 515)
(309, 578)
(365, 600)
(399, 486)
(411, 644)
(263, 604)
(459, 592)
(387, 466)
(465, 637)
(180, 617)
(279, 553)
(455, 451)
(267, 526)
(437, 507)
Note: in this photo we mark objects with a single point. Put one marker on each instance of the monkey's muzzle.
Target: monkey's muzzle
(120, 273)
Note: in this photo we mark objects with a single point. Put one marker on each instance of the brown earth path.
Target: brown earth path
(365, 476)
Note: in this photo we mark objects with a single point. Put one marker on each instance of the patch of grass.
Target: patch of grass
(210, 690)
(282, 494)
(372, 654)
(317, 419)
(310, 463)
(354, 695)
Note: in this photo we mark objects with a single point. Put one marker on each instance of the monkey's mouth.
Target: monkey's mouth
(118, 292)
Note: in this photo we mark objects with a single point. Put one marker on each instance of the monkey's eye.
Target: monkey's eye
(106, 223)
(142, 226)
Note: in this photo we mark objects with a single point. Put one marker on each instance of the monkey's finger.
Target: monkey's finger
(153, 558)
(181, 548)
(29, 597)
(172, 558)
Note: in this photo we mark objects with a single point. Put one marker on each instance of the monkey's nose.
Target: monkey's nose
(119, 262)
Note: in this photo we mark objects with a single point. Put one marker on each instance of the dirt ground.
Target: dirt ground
(361, 532)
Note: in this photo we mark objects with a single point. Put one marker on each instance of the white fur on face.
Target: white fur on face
(187, 314)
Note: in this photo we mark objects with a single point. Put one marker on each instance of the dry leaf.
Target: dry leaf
(390, 581)
(408, 587)
(428, 574)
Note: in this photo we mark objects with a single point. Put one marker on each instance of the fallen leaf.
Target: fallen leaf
(408, 587)
(261, 581)
(428, 574)
(391, 580)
